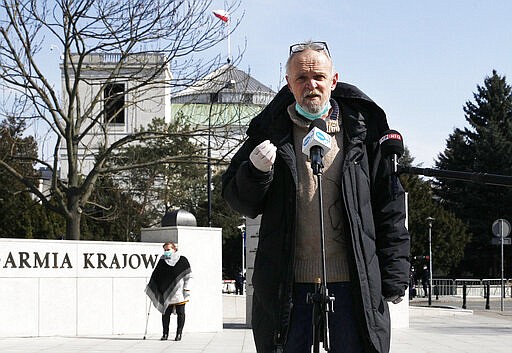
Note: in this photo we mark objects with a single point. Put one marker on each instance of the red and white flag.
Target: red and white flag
(221, 14)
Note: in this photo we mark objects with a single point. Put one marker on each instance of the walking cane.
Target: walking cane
(147, 319)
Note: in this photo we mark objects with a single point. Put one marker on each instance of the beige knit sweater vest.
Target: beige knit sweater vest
(308, 260)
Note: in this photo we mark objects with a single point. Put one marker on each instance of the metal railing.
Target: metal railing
(474, 287)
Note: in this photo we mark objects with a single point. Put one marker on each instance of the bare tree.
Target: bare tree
(133, 45)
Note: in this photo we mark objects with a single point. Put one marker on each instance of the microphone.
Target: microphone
(316, 144)
(392, 145)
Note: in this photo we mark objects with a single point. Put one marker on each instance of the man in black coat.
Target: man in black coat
(366, 242)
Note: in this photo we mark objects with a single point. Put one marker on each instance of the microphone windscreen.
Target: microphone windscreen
(317, 136)
(391, 143)
(319, 123)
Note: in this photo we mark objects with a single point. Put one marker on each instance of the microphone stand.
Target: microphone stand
(322, 302)
(392, 146)
(475, 177)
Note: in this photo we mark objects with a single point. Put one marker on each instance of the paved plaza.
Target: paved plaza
(437, 329)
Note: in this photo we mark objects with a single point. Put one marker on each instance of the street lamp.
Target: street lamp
(215, 95)
(430, 220)
(241, 228)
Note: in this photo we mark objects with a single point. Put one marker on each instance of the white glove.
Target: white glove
(263, 156)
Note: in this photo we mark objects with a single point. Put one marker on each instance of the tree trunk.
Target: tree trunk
(73, 218)
(73, 227)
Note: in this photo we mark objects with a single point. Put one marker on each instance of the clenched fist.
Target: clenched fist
(263, 156)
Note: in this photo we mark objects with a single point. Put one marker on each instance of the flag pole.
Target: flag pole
(229, 40)
(224, 17)
(228, 26)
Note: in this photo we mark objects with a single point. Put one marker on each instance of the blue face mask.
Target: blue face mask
(167, 253)
(310, 116)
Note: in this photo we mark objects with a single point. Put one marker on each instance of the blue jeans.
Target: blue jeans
(344, 335)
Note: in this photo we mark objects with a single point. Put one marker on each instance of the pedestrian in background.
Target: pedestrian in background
(168, 288)
(412, 284)
(239, 283)
(425, 278)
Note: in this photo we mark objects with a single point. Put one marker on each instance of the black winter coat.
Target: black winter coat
(374, 210)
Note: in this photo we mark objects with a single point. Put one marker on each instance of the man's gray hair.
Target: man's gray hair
(308, 45)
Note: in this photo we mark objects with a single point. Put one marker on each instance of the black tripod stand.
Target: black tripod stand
(322, 302)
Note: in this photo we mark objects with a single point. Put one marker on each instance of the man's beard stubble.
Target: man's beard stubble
(311, 106)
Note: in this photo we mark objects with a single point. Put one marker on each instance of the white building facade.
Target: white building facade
(120, 95)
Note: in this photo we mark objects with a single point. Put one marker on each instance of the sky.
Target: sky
(420, 61)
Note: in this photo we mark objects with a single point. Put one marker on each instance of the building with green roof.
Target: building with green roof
(222, 103)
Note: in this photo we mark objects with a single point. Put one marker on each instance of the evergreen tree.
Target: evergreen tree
(180, 183)
(113, 214)
(449, 234)
(484, 146)
(20, 215)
